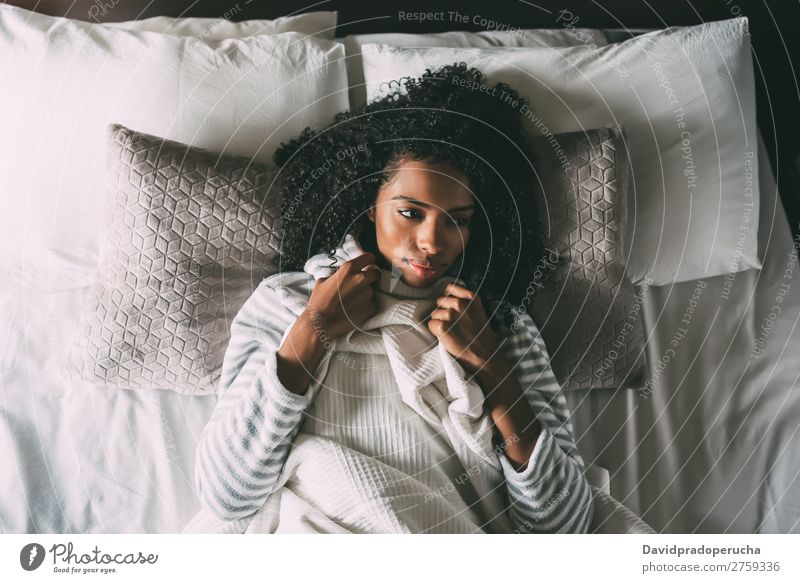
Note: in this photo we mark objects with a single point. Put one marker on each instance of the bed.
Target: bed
(713, 446)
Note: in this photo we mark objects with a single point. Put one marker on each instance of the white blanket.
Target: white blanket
(382, 498)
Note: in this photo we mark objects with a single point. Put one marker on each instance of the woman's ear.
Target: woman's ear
(371, 213)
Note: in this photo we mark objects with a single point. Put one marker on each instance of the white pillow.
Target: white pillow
(690, 217)
(64, 82)
(319, 24)
(547, 37)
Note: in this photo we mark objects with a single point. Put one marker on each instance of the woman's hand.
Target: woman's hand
(343, 301)
(461, 325)
(337, 304)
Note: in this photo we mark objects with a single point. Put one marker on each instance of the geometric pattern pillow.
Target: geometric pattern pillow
(189, 236)
(585, 307)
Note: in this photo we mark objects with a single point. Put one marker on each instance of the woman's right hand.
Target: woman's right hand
(343, 301)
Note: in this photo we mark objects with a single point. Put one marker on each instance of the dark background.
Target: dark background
(776, 46)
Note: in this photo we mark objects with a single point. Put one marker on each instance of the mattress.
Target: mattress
(713, 448)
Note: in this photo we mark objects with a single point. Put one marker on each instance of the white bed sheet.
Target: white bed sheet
(83, 458)
(716, 446)
(714, 449)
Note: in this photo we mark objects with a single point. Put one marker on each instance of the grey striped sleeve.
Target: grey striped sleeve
(243, 447)
(551, 494)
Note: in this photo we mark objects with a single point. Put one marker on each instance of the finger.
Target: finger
(363, 280)
(363, 294)
(372, 274)
(459, 291)
(360, 262)
(445, 315)
(452, 302)
(437, 328)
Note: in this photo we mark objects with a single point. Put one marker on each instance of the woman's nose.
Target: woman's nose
(430, 238)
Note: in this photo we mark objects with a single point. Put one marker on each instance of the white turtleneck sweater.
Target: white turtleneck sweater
(245, 444)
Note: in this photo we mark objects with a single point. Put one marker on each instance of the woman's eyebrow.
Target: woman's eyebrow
(468, 207)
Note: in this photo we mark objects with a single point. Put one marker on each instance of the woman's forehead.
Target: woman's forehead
(436, 184)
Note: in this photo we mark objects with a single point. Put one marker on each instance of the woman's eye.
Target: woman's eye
(414, 211)
(415, 214)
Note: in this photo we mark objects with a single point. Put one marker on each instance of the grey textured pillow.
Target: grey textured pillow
(191, 234)
(585, 307)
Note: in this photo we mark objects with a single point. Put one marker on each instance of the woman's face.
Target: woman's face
(422, 220)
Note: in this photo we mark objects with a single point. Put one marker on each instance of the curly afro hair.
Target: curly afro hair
(329, 178)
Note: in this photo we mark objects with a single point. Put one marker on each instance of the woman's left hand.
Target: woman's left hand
(461, 325)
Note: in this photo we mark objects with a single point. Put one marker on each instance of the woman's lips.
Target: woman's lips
(423, 270)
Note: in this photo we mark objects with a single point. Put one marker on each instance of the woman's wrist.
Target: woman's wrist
(300, 354)
(492, 370)
(509, 409)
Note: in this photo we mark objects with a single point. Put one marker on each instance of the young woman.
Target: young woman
(382, 381)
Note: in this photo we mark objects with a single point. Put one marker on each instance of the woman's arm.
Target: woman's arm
(512, 414)
(299, 355)
(547, 488)
(242, 449)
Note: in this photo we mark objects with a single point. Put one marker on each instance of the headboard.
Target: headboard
(776, 49)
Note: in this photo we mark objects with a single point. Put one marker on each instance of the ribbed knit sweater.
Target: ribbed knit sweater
(359, 407)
